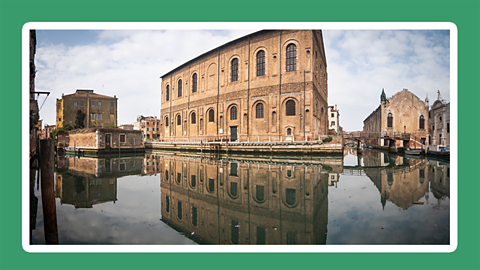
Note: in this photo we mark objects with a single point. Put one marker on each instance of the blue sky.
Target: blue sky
(128, 64)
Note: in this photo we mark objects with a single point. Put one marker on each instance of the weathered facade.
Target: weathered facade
(439, 119)
(149, 125)
(404, 112)
(99, 110)
(333, 119)
(269, 85)
(102, 140)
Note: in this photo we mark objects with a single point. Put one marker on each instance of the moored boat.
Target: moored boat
(413, 152)
(439, 151)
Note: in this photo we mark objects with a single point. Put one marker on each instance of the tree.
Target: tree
(79, 119)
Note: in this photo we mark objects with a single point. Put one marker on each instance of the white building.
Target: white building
(333, 119)
(439, 115)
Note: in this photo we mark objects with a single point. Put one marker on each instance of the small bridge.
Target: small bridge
(361, 135)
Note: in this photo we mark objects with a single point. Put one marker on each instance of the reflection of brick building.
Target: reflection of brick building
(271, 84)
(237, 203)
(46, 131)
(151, 164)
(99, 110)
(84, 182)
(401, 181)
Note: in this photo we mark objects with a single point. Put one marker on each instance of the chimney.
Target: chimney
(335, 107)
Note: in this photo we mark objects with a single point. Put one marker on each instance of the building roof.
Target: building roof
(218, 48)
(83, 93)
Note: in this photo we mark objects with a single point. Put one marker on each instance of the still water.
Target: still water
(160, 198)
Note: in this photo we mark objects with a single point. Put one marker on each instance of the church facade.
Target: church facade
(404, 112)
(269, 86)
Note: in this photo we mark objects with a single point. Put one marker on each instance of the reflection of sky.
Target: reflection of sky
(350, 160)
(133, 219)
(355, 216)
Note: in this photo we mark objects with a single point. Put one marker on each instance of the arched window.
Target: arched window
(166, 121)
(179, 88)
(289, 132)
(260, 63)
(211, 116)
(390, 120)
(260, 194)
(194, 118)
(193, 181)
(167, 94)
(422, 122)
(235, 70)
(290, 196)
(211, 185)
(290, 107)
(179, 210)
(233, 188)
(194, 216)
(167, 204)
(259, 110)
(291, 57)
(233, 113)
(194, 83)
(179, 120)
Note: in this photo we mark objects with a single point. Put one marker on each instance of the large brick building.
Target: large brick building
(99, 110)
(269, 85)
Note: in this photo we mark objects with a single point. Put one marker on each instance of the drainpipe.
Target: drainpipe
(280, 86)
(248, 90)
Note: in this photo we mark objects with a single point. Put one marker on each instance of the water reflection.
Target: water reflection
(159, 198)
(234, 201)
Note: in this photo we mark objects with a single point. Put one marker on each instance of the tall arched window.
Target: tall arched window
(211, 116)
(233, 113)
(194, 118)
(179, 88)
(194, 83)
(167, 94)
(259, 110)
(291, 57)
(422, 122)
(390, 120)
(166, 121)
(235, 70)
(290, 196)
(260, 194)
(290, 107)
(179, 120)
(260, 63)
(289, 132)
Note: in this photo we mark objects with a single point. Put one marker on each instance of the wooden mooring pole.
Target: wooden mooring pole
(48, 192)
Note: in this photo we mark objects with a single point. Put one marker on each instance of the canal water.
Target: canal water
(173, 198)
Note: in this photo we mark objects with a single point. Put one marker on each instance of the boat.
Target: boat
(438, 151)
(413, 152)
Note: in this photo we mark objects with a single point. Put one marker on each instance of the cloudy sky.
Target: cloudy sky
(128, 64)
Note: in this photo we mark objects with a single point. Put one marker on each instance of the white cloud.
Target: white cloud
(128, 64)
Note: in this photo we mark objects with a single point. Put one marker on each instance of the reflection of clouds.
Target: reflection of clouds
(360, 219)
(133, 219)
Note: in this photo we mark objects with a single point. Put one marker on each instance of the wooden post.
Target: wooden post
(48, 193)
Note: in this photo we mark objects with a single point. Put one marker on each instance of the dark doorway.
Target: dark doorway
(233, 131)
(108, 138)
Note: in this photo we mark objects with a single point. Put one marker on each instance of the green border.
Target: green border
(15, 13)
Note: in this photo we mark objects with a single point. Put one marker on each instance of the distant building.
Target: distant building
(334, 119)
(150, 125)
(126, 126)
(99, 110)
(404, 112)
(46, 131)
(439, 118)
